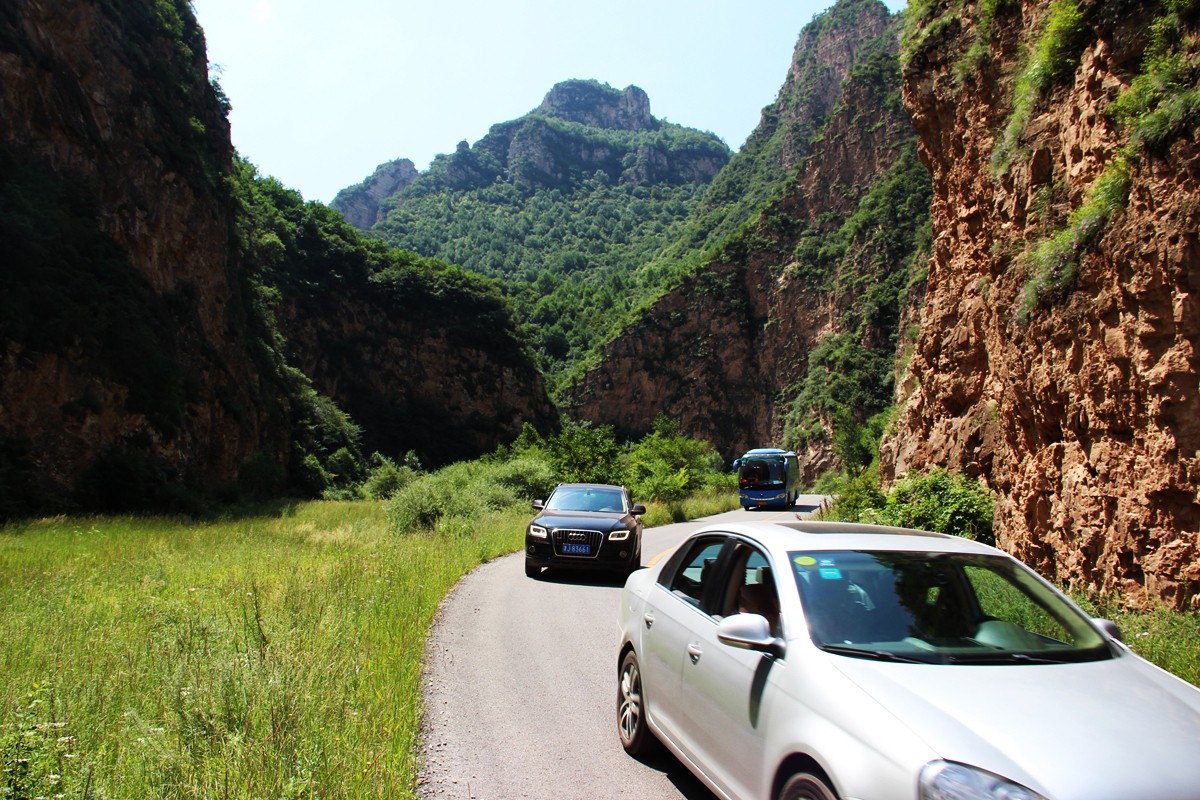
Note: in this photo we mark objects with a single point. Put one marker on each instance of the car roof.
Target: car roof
(587, 486)
(824, 535)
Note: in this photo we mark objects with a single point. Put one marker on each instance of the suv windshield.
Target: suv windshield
(939, 608)
(586, 498)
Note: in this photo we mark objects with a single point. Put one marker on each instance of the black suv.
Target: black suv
(587, 526)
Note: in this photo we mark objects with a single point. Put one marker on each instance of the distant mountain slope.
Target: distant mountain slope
(565, 205)
(811, 93)
(787, 333)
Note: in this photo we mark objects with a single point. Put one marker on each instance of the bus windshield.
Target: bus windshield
(761, 473)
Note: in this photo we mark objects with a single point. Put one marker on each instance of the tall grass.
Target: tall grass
(276, 655)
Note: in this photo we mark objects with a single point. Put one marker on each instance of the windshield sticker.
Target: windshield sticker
(805, 561)
(831, 573)
(828, 562)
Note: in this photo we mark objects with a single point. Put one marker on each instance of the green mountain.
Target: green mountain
(564, 205)
(786, 330)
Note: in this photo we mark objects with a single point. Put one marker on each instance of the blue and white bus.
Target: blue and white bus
(768, 477)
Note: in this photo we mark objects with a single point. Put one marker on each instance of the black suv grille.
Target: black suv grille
(570, 536)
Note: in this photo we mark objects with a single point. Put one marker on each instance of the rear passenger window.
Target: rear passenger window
(696, 571)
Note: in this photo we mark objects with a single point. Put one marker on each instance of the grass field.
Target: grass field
(275, 655)
(270, 655)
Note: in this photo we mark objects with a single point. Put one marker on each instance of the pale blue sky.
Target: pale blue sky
(323, 92)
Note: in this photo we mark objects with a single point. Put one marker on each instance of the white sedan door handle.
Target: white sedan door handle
(694, 652)
(648, 618)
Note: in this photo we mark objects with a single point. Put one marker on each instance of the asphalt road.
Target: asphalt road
(521, 686)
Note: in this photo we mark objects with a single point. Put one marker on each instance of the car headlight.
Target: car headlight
(619, 535)
(945, 780)
(537, 531)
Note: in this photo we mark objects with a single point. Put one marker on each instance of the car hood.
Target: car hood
(602, 521)
(1109, 729)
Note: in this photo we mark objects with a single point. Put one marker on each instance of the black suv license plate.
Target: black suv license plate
(570, 549)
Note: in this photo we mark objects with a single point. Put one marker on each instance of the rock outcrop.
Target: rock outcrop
(140, 365)
(1070, 386)
(589, 103)
(359, 204)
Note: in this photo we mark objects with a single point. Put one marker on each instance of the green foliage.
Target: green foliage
(164, 44)
(758, 173)
(1055, 261)
(276, 655)
(665, 466)
(669, 466)
(871, 255)
(585, 453)
(934, 501)
(37, 751)
(569, 258)
(1163, 101)
(387, 477)
(1062, 39)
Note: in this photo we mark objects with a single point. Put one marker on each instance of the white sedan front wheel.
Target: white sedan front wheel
(636, 737)
(806, 787)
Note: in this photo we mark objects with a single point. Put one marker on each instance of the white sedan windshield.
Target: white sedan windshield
(939, 608)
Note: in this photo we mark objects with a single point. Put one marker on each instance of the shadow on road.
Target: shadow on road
(681, 778)
(799, 509)
(581, 577)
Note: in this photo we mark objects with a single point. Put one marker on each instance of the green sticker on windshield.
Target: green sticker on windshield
(805, 561)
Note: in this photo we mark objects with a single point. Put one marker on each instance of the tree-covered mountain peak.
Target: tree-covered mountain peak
(599, 105)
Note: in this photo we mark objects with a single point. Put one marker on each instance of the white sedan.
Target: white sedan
(826, 660)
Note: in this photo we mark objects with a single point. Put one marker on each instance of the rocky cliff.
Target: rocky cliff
(359, 204)
(1058, 351)
(124, 328)
(141, 361)
(727, 353)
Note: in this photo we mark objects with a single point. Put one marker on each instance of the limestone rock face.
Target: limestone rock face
(360, 204)
(589, 103)
(114, 125)
(1083, 416)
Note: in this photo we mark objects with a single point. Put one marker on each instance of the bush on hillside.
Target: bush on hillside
(934, 501)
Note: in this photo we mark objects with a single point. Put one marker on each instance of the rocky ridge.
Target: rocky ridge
(359, 204)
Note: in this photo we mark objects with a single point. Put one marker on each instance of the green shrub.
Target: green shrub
(386, 478)
(1163, 100)
(585, 453)
(1056, 260)
(934, 501)
(668, 465)
(939, 501)
(1055, 56)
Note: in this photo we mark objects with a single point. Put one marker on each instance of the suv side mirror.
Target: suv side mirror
(538, 505)
(638, 510)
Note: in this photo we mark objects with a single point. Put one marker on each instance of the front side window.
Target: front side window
(751, 587)
(939, 608)
(696, 571)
